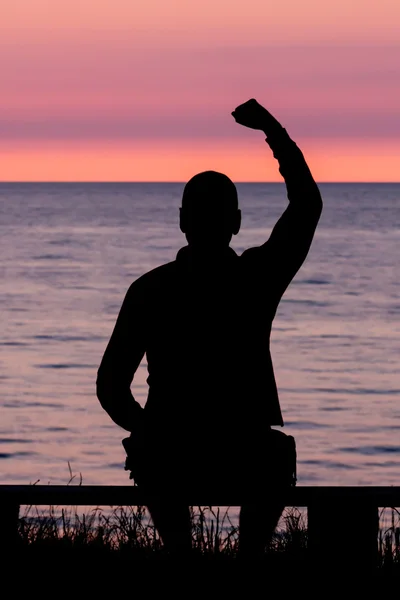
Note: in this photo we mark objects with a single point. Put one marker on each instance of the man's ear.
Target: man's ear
(237, 221)
(182, 220)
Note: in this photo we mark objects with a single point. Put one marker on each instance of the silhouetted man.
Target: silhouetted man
(204, 322)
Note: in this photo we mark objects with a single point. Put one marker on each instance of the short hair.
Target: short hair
(210, 187)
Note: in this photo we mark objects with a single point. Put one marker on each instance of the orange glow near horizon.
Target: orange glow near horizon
(127, 91)
(163, 162)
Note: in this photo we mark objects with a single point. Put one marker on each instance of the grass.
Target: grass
(129, 530)
(389, 542)
(127, 533)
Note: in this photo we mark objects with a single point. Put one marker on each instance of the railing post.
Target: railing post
(343, 534)
(9, 524)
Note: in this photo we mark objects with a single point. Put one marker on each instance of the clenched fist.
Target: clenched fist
(252, 114)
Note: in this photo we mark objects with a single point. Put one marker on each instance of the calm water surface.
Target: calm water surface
(68, 253)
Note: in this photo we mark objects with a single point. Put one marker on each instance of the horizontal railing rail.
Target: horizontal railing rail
(102, 495)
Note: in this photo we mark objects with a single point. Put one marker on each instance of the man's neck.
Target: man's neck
(206, 254)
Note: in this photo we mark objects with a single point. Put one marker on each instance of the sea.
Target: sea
(69, 252)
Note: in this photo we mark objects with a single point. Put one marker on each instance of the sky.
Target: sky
(142, 90)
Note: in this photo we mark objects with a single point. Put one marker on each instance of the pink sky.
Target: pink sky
(122, 90)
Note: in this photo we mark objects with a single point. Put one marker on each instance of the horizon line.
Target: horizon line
(90, 181)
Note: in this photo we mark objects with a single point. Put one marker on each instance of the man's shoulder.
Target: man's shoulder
(154, 278)
(160, 272)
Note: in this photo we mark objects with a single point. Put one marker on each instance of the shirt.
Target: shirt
(204, 324)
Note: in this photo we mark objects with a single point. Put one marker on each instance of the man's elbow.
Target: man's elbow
(103, 390)
(110, 390)
(309, 210)
(315, 203)
(319, 205)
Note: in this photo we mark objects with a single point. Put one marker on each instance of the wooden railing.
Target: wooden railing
(331, 512)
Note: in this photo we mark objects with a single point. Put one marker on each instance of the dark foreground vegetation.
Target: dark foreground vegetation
(125, 535)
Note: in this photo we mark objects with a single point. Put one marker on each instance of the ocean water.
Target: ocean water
(68, 253)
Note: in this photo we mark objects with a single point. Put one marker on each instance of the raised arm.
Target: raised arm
(121, 359)
(290, 240)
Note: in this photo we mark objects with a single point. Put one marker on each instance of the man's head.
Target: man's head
(209, 215)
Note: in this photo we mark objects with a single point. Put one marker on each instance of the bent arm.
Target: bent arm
(120, 361)
(291, 237)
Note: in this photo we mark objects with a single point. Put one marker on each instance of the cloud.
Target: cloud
(116, 93)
